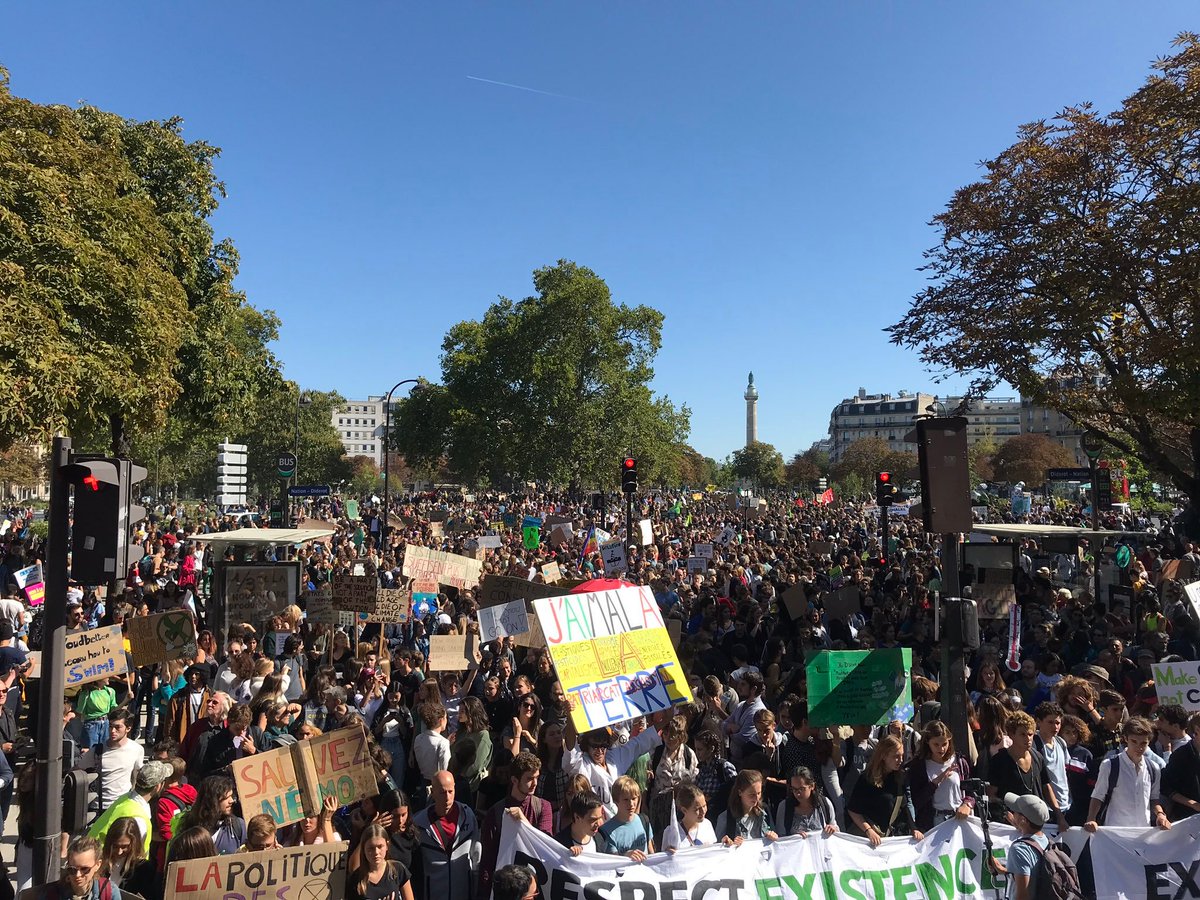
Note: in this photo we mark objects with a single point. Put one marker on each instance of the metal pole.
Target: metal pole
(47, 824)
(1092, 464)
(884, 524)
(954, 674)
(387, 434)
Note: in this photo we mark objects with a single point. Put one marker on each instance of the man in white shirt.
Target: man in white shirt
(120, 758)
(14, 611)
(739, 727)
(1127, 784)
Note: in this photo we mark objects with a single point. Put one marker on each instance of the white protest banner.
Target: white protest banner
(309, 872)
(613, 554)
(489, 542)
(612, 652)
(704, 551)
(94, 655)
(647, 529)
(444, 568)
(946, 865)
(1178, 682)
(503, 620)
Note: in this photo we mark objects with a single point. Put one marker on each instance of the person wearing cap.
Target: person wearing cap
(1028, 814)
(137, 803)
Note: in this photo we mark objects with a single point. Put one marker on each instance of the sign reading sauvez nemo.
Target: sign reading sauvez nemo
(613, 654)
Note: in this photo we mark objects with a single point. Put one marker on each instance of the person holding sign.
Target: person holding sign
(594, 756)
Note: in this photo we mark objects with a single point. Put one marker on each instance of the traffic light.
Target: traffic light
(945, 475)
(885, 489)
(97, 485)
(629, 482)
(104, 514)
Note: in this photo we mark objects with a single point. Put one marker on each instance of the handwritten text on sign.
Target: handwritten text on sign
(94, 655)
(613, 654)
(294, 872)
(1178, 682)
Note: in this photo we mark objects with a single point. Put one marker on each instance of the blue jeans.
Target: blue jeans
(95, 732)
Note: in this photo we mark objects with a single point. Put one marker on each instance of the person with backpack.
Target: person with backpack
(1128, 783)
(1036, 869)
(80, 876)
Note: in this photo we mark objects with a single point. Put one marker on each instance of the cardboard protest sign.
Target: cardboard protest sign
(445, 568)
(495, 590)
(452, 652)
(1192, 592)
(318, 605)
(675, 630)
(795, 601)
(820, 548)
(613, 554)
(613, 653)
(704, 551)
(490, 542)
(1178, 682)
(292, 782)
(533, 637)
(994, 600)
(646, 527)
(727, 534)
(437, 529)
(501, 621)
(697, 565)
(94, 655)
(844, 603)
(859, 687)
(158, 638)
(355, 593)
(561, 534)
(392, 605)
(551, 572)
(313, 872)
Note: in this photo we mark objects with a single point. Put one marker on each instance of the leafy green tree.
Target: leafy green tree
(364, 475)
(110, 260)
(1078, 254)
(695, 469)
(806, 467)
(851, 486)
(979, 461)
(1026, 458)
(759, 463)
(554, 387)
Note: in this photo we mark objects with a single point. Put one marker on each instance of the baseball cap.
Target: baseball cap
(1030, 806)
(152, 774)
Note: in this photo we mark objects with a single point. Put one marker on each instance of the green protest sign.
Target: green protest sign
(533, 537)
(859, 687)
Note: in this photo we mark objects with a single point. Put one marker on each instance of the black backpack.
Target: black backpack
(1057, 878)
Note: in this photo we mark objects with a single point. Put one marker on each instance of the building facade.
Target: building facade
(993, 419)
(877, 415)
(360, 425)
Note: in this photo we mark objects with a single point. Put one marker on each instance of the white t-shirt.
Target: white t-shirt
(13, 611)
(948, 794)
(117, 765)
(675, 838)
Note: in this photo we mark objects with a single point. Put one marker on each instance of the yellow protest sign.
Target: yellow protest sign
(613, 654)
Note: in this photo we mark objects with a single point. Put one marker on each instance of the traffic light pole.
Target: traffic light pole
(1092, 464)
(885, 526)
(954, 672)
(628, 521)
(47, 820)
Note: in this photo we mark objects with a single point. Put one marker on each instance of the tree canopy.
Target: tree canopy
(554, 387)
(1071, 270)
(1026, 457)
(867, 457)
(760, 463)
(121, 320)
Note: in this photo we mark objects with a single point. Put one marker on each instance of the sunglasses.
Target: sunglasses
(78, 870)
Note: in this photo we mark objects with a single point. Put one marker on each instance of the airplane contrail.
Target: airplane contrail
(521, 87)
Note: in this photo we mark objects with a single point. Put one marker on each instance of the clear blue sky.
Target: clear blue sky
(763, 173)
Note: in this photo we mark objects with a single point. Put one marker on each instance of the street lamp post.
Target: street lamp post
(387, 434)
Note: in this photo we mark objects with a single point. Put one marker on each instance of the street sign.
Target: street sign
(231, 474)
(286, 463)
(1091, 444)
(276, 514)
(309, 490)
(1070, 474)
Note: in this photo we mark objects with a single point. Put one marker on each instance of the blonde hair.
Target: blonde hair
(625, 787)
(875, 768)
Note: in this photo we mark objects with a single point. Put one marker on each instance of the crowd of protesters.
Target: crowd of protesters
(1075, 734)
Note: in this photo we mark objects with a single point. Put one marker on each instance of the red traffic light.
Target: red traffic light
(91, 482)
(885, 477)
(630, 462)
